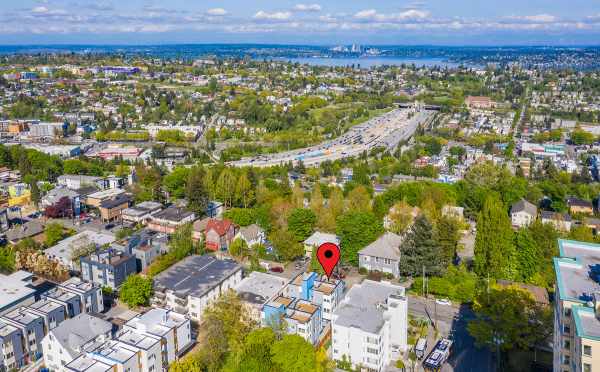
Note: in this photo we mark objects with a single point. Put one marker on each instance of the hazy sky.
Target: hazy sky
(447, 22)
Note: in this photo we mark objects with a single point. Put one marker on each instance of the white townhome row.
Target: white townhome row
(147, 343)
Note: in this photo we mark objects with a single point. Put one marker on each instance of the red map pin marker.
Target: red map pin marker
(328, 255)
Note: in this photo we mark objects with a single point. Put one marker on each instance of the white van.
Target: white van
(421, 348)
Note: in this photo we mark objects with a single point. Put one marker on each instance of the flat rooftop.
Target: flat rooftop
(117, 351)
(45, 306)
(196, 275)
(360, 308)
(64, 248)
(6, 329)
(172, 214)
(21, 316)
(258, 288)
(577, 270)
(84, 363)
(586, 323)
(15, 288)
(106, 194)
(138, 340)
(157, 321)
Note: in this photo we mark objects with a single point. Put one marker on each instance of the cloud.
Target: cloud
(217, 12)
(373, 15)
(100, 6)
(40, 10)
(307, 8)
(538, 18)
(275, 16)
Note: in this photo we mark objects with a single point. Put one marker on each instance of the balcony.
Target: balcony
(181, 301)
(180, 309)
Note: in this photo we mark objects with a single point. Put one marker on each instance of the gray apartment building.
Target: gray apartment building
(108, 268)
(142, 246)
(77, 297)
(382, 255)
(52, 313)
(12, 355)
(31, 328)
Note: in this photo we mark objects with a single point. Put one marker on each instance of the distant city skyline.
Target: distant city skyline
(378, 22)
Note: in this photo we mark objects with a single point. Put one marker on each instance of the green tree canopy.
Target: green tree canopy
(420, 249)
(136, 291)
(356, 230)
(301, 223)
(510, 318)
(495, 253)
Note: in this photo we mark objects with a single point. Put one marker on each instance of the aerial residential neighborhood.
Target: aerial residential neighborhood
(246, 186)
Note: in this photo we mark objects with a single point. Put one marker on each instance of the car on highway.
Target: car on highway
(443, 301)
(276, 269)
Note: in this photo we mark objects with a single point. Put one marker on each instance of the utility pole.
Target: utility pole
(423, 280)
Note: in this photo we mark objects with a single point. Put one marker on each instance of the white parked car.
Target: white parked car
(443, 301)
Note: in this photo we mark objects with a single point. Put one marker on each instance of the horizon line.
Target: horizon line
(60, 44)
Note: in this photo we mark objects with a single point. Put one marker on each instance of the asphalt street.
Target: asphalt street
(452, 320)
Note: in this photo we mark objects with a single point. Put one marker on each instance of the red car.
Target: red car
(276, 269)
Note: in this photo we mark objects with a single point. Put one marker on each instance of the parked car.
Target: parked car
(339, 275)
(109, 226)
(421, 348)
(443, 301)
(276, 269)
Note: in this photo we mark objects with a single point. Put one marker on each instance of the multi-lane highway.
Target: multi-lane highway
(386, 130)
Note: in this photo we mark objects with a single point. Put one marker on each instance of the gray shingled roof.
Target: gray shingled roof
(386, 246)
(524, 205)
(250, 232)
(79, 330)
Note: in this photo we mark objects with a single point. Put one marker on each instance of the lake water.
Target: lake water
(368, 62)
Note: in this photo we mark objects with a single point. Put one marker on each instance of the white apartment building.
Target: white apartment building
(171, 329)
(190, 285)
(370, 326)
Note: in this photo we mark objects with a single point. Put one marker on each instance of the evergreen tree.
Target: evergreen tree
(447, 237)
(528, 255)
(226, 187)
(195, 191)
(494, 248)
(243, 191)
(420, 249)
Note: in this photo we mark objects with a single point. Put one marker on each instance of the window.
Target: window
(567, 344)
(372, 351)
(566, 360)
(587, 350)
(567, 330)
(567, 312)
(587, 367)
